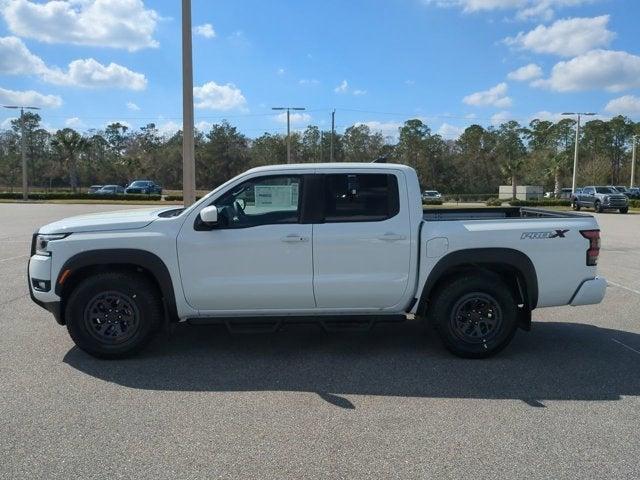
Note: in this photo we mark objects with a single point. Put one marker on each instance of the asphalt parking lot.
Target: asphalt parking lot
(563, 401)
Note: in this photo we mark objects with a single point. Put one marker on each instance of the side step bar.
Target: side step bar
(334, 323)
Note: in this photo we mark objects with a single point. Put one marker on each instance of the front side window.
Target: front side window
(604, 190)
(261, 201)
(362, 197)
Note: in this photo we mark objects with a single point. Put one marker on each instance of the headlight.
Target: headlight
(42, 242)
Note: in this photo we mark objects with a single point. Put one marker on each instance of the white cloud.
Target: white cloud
(599, 69)
(204, 126)
(219, 97)
(6, 123)
(123, 24)
(410, 82)
(450, 131)
(295, 118)
(280, 71)
(168, 129)
(567, 38)
(309, 81)
(74, 122)
(495, 97)
(91, 73)
(524, 9)
(626, 105)
(526, 73)
(342, 88)
(133, 107)
(16, 59)
(546, 115)
(205, 30)
(30, 98)
(500, 117)
(388, 129)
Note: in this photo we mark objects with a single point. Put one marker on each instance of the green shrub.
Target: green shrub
(634, 203)
(434, 201)
(494, 202)
(546, 202)
(178, 198)
(77, 196)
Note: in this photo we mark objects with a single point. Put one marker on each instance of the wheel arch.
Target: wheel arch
(502, 261)
(83, 264)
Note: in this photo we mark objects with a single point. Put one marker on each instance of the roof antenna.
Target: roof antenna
(382, 159)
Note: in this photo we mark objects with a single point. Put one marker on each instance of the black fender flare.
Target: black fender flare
(125, 257)
(480, 257)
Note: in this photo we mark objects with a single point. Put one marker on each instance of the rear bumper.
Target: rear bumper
(589, 292)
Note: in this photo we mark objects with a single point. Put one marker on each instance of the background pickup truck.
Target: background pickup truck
(346, 245)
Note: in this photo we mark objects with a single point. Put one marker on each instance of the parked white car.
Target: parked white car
(340, 244)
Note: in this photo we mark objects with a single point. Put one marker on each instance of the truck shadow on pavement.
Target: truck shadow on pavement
(555, 361)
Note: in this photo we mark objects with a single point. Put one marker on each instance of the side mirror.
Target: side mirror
(209, 215)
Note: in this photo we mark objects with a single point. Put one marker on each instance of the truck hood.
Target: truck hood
(104, 221)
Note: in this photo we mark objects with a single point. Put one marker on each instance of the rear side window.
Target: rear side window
(365, 197)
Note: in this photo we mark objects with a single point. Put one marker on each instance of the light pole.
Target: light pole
(633, 160)
(333, 133)
(23, 147)
(575, 155)
(288, 109)
(188, 154)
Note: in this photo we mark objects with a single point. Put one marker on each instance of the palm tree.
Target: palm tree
(68, 144)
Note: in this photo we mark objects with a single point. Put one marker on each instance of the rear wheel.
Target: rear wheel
(114, 314)
(475, 315)
(598, 207)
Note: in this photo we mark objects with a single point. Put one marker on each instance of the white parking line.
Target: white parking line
(12, 258)
(626, 346)
(622, 286)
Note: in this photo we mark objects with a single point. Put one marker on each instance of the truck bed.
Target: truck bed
(493, 213)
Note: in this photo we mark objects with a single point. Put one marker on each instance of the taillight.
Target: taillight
(594, 245)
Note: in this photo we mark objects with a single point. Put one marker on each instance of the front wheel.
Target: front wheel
(576, 206)
(113, 314)
(475, 315)
(624, 210)
(598, 207)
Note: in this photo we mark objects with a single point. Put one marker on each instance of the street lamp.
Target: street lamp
(288, 109)
(575, 155)
(23, 146)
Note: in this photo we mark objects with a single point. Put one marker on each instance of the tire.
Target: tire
(624, 210)
(96, 307)
(576, 206)
(597, 206)
(456, 299)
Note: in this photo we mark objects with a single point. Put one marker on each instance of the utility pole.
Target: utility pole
(188, 151)
(333, 133)
(288, 109)
(575, 155)
(633, 160)
(23, 147)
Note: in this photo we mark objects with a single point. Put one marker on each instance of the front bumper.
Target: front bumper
(39, 270)
(589, 292)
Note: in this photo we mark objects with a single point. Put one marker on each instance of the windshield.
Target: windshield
(431, 193)
(605, 190)
(140, 184)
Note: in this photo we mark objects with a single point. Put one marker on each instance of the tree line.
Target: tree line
(477, 162)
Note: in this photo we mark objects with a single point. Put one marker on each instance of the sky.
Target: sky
(451, 63)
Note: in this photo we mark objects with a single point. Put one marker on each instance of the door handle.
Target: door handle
(392, 237)
(293, 238)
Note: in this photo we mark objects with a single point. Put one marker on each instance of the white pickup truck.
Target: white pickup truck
(345, 245)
